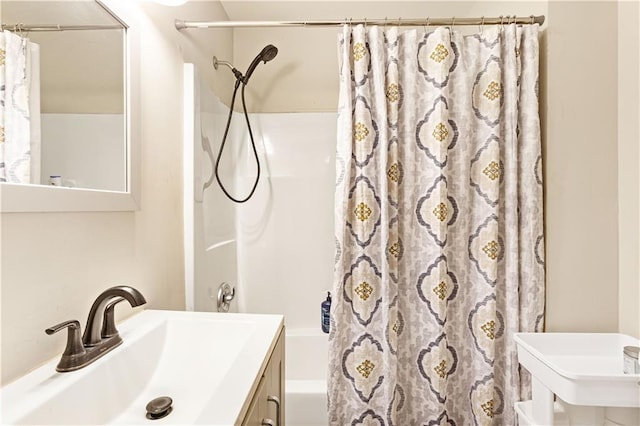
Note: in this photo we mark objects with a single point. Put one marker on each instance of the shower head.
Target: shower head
(267, 54)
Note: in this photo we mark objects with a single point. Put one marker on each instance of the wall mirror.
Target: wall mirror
(69, 102)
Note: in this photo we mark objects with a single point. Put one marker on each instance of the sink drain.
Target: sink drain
(159, 407)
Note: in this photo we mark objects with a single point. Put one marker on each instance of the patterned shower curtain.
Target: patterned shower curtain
(19, 109)
(439, 232)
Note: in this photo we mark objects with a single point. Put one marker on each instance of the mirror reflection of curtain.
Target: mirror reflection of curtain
(19, 109)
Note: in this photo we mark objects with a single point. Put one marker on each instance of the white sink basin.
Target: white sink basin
(206, 362)
(581, 368)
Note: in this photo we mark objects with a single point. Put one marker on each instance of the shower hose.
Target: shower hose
(224, 140)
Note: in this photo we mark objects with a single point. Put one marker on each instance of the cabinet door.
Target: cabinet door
(275, 383)
(267, 405)
(257, 409)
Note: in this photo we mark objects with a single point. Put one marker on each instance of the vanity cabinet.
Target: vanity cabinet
(267, 403)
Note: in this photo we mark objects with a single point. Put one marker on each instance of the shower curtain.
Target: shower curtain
(19, 110)
(439, 236)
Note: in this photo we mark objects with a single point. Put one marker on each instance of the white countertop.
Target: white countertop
(208, 363)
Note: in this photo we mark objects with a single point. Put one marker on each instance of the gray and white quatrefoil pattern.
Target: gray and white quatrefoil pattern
(438, 225)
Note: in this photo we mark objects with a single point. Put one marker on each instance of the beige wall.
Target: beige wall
(628, 160)
(580, 111)
(55, 264)
(579, 117)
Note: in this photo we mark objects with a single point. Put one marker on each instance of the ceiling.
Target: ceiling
(55, 12)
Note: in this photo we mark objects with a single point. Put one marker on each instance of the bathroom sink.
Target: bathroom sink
(207, 363)
(581, 368)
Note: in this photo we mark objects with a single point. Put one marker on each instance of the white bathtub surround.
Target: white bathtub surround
(306, 373)
(209, 219)
(438, 223)
(285, 239)
(71, 139)
(275, 247)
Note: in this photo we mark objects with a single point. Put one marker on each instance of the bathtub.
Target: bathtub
(306, 377)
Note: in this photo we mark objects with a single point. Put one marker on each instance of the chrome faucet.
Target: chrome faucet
(100, 333)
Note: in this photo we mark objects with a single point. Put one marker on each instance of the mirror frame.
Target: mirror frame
(16, 198)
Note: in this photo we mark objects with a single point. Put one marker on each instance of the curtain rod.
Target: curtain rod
(55, 27)
(501, 20)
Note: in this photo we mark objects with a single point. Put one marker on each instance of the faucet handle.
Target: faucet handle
(108, 320)
(74, 340)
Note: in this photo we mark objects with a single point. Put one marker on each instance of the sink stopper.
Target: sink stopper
(159, 407)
